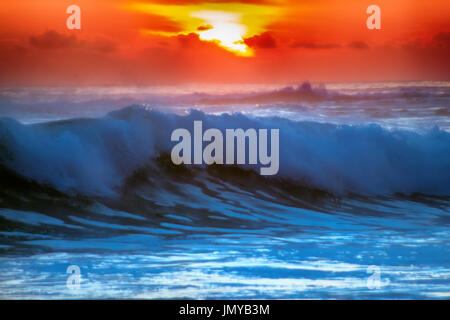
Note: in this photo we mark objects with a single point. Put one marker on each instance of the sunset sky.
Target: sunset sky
(123, 42)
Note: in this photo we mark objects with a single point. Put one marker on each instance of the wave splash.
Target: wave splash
(97, 156)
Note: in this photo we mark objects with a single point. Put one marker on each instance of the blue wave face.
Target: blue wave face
(361, 192)
(96, 156)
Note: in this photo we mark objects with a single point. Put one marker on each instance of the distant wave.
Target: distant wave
(306, 92)
(303, 92)
(97, 156)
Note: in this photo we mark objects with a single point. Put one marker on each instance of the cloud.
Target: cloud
(193, 41)
(442, 40)
(360, 45)
(312, 45)
(205, 27)
(262, 41)
(439, 42)
(53, 40)
(189, 40)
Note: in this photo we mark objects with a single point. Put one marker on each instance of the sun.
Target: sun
(226, 29)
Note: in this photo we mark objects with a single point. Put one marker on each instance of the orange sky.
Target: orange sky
(139, 42)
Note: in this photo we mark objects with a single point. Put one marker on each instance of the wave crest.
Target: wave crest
(96, 156)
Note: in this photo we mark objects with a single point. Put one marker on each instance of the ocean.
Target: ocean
(360, 207)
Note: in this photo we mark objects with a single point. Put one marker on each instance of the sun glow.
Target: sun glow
(226, 29)
(226, 24)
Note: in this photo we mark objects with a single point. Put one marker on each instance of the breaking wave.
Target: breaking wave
(98, 156)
